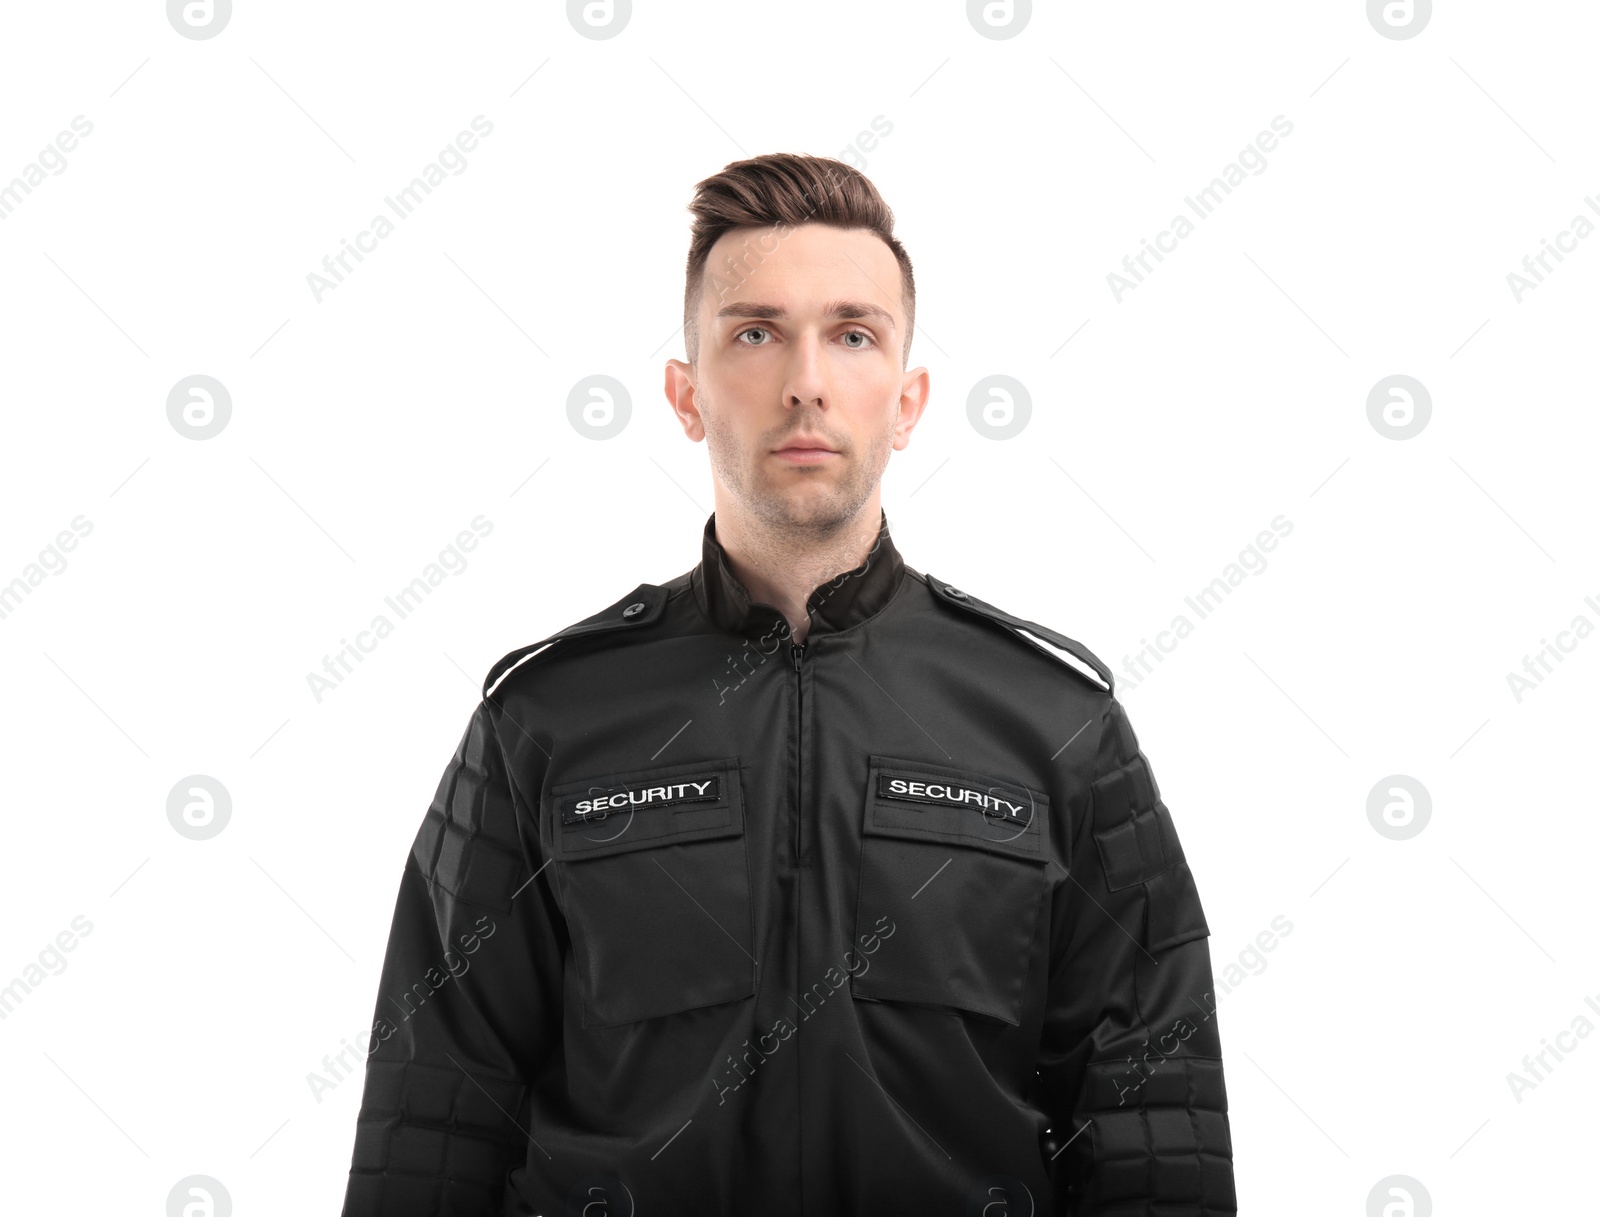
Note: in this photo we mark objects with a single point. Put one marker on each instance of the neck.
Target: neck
(782, 565)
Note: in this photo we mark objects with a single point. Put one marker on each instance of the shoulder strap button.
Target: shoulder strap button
(1023, 628)
(644, 604)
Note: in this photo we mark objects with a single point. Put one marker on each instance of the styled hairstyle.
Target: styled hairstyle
(785, 188)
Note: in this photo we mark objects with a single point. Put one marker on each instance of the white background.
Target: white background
(429, 387)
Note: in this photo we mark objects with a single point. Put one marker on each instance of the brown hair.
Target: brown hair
(785, 188)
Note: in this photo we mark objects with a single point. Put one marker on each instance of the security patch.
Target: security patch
(947, 792)
(601, 803)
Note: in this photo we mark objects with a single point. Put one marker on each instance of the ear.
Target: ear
(914, 391)
(679, 388)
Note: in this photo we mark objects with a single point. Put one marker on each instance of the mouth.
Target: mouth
(805, 449)
(804, 455)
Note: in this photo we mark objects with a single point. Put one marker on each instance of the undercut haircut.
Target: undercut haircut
(785, 190)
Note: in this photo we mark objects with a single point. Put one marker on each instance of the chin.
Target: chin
(822, 508)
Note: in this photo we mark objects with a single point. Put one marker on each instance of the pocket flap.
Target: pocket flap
(920, 801)
(618, 812)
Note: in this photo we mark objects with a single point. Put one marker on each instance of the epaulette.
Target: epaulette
(960, 599)
(639, 607)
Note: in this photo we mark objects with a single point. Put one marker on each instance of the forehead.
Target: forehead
(800, 267)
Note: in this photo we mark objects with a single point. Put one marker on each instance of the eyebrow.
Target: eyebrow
(848, 309)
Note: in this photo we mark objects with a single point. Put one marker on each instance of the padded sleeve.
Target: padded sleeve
(1130, 1067)
(468, 1013)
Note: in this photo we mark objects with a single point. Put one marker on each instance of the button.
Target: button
(633, 608)
(956, 592)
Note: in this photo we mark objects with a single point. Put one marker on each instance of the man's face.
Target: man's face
(801, 331)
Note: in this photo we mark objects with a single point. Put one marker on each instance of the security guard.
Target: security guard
(797, 886)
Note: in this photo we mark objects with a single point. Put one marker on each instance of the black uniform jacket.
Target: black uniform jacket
(703, 922)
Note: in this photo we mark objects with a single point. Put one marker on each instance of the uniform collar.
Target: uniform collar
(843, 601)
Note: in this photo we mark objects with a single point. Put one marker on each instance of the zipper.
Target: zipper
(798, 653)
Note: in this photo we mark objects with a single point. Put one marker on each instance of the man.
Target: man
(804, 883)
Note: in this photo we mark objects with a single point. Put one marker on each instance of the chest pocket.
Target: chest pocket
(952, 886)
(656, 884)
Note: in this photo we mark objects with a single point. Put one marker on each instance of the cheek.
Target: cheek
(746, 375)
(748, 401)
(734, 386)
(874, 394)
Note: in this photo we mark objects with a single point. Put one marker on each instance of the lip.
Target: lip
(804, 455)
(805, 447)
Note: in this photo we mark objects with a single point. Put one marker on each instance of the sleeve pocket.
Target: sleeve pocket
(1172, 911)
(1138, 844)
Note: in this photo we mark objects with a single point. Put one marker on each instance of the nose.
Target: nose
(806, 382)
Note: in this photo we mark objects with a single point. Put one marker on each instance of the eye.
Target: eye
(754, 329)
(859, 334)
